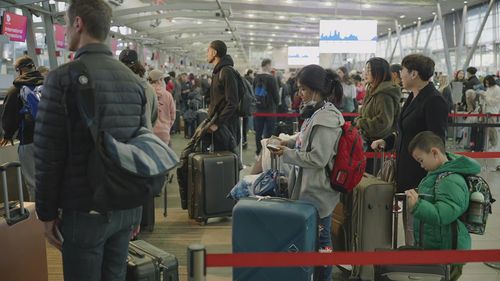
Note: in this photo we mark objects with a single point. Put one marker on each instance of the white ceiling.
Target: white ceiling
(260, 23)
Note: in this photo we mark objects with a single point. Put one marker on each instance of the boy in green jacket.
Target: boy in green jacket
(439, 204)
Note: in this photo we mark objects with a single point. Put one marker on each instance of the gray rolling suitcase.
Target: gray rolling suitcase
(371, 226)
(148, 263)
(211, 176)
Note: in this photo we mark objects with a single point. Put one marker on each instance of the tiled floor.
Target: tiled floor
(176, 232)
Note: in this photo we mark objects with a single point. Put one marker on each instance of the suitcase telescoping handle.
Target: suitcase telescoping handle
(3, 172)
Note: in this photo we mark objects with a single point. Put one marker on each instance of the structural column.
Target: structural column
(398, 32)
(461, 39)
(30, 37)
(49, 33)
(445, 41)
(426, 46)
(478, 35)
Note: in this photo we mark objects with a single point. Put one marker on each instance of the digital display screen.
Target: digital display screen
(347, 36)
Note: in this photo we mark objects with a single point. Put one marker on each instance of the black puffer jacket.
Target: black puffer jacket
(63, 144)
(224, 97)
(11, 119)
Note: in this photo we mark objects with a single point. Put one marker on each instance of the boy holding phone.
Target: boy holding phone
(441, 201)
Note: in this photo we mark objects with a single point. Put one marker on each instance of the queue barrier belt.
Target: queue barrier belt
(476, 155)
(351, 258)
(347, 114)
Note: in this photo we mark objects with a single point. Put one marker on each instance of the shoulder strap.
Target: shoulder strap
(85, 96)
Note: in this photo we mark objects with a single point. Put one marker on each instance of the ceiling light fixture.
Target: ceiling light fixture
(289, 1)
(251, 26)
(295, 36)
(329, 4)
(251, 33)
(273, 35)
(281, 17)
(302, 28)
(251, 15)
(276, 27)
(313, 18)
(402, 16)
(366, 6)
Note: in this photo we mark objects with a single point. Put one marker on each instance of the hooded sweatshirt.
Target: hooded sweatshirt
(444, 204)
(11, 119)
(314, 149)
(224, 95)
(380, 110)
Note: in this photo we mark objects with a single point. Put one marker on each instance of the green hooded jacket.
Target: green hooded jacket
(380, 111)
(443, 204)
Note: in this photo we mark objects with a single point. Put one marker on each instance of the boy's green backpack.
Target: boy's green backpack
(480, 202)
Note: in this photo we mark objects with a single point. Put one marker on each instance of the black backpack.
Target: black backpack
(122, 173)
(247, 101)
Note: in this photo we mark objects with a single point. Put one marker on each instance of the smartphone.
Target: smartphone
(58, 233)
(273, 147)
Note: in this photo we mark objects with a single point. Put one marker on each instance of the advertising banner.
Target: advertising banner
(14, 26)
(60, 36)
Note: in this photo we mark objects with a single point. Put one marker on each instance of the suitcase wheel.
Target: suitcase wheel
(202, 221)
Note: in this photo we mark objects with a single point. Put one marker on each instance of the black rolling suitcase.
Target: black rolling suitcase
(148, 263)
(211, 176)
(477, 136)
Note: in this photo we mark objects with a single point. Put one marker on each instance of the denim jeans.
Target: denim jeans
(324, 273)
(95, 245)
(265, 127)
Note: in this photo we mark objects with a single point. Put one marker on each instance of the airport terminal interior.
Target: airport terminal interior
(172, 36)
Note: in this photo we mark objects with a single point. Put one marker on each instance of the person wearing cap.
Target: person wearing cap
(131, 60)
(23, 125)
(166, 106)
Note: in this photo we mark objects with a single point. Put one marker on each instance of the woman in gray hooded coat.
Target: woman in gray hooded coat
(315, 148)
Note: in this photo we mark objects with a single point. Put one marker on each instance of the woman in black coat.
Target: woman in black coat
(424, 110)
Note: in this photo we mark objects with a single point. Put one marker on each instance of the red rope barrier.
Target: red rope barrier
(357, 258)
(475, 155)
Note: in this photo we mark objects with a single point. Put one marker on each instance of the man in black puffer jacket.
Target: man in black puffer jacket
(95, 242)
(23, 124)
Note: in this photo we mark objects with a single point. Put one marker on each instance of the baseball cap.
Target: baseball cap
(128, 56)
(156, 75)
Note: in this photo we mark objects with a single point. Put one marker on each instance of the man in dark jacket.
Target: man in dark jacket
(471, 84)
(266, 93)
(23, 124)
(224, 97)
(95, 242)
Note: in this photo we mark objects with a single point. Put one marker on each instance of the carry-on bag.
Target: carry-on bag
(438, 272)
(211, 176)
(22, 239)
(146, 262)
(371, 220)
(270, 224)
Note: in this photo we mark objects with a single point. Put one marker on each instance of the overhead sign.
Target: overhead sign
(14, 26)
(303, 55)
(60, 36)
(348, 36)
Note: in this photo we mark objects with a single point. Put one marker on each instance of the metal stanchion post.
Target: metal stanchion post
(241, 142)
(196, 265)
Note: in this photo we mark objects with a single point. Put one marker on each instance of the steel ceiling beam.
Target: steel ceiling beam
(171, 6)
(182, 14)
